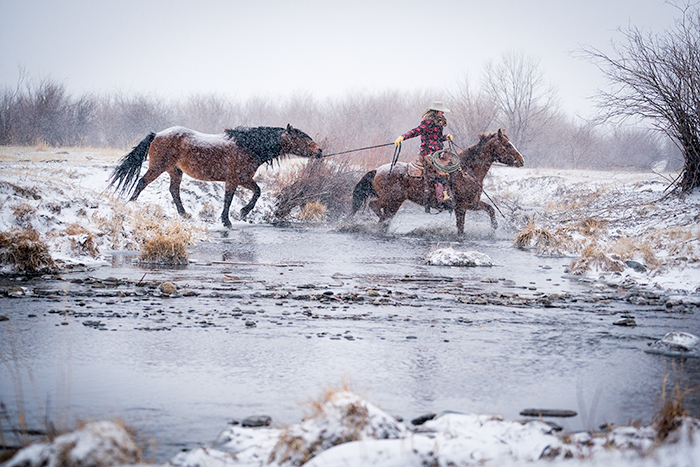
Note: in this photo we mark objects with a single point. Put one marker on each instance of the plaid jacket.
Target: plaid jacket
(431, 137)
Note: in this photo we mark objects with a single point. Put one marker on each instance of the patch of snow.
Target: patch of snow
(96, 444)
(450, 439)
(676, 343)
(451, 257)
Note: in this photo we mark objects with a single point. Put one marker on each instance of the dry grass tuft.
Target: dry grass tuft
(82, 241)
(593, 258)
(313, 212)
(671, 414)
(626, 248)
(167, 245)
(24, 251)
(319, 181)
(590, 227)
(23, 214)
(547, 243)
(208, 212)
(329, 424)
(20, 191)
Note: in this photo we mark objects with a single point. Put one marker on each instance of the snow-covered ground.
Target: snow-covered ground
(618, 225)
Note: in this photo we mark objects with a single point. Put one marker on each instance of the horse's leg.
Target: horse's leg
(229, 190)
(175, 180)
(376, 206)
(251, 185)
(460, 211)
(147, 178)
(491, 212)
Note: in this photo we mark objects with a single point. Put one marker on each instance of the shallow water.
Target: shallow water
(179, 368)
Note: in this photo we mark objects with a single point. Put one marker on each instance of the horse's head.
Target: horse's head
(504, 151)
(294, 141)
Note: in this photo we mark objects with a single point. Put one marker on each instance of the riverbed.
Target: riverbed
(265, 317)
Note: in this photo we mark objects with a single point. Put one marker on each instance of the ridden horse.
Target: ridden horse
(232, 157)
(390, 187)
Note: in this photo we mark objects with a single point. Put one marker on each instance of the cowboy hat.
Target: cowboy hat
(439, 106)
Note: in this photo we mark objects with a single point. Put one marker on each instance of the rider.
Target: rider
(431, 139)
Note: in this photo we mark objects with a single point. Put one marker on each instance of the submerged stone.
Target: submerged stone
(256, 421)
(548, 413)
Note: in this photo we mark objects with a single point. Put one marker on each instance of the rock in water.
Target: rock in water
(256, 421)
(676, 343)
(168, 288)
(451, 257)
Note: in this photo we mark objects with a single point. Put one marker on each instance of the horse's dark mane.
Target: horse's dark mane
(471, 152)
(262, 141)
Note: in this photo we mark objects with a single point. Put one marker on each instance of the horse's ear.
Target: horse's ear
(500, 133)
(289, 127)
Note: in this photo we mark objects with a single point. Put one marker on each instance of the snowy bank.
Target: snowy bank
(618, 227)
(346, 430)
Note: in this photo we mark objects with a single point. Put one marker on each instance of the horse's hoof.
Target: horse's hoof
(186, 215)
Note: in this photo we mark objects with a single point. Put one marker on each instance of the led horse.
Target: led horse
(232, 157)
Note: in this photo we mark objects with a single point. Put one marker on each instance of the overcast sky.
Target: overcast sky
(324, 47)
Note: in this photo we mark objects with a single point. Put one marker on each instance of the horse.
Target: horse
(232, 157)
(391, 186)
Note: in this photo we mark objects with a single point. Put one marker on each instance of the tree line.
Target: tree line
(512, 95)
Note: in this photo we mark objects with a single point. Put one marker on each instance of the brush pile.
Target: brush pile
(317, 191)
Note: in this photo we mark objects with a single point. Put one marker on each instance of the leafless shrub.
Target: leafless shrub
(652, 77)
(319, 182)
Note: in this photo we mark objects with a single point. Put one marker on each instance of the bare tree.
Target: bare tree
(656, 78)
(472, 113)
(524, 99)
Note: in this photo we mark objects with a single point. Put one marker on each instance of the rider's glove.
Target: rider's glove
(398, 141)
(448, 137)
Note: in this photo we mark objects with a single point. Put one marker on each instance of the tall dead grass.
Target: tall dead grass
(557, 243)
(24, 251)
(670, 415)
(82, 241)
(594, 258)
(161, 239)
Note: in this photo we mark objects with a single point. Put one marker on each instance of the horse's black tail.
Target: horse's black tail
(127, 172)
(362, 191)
